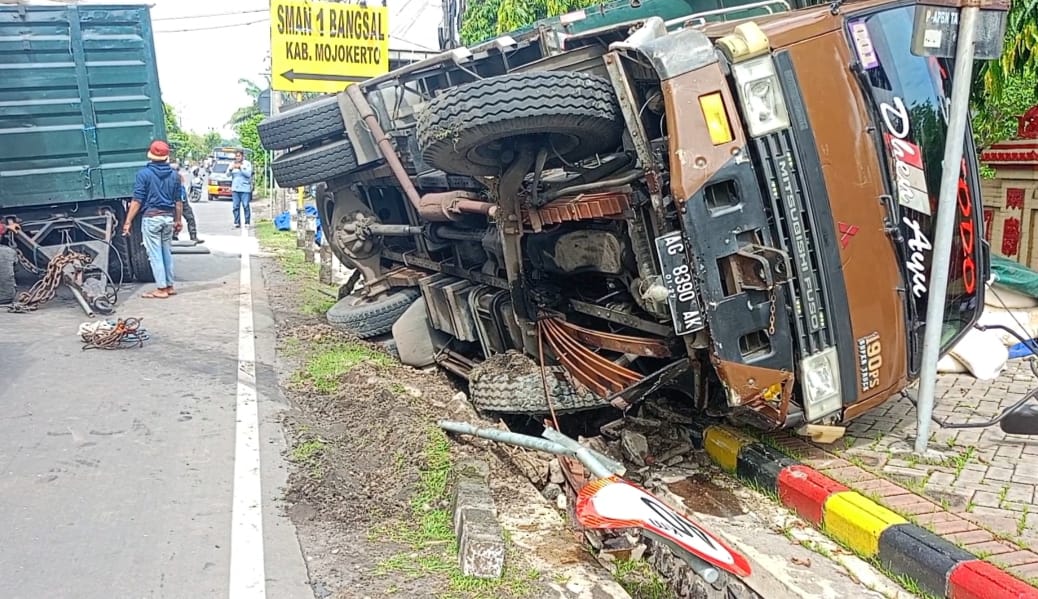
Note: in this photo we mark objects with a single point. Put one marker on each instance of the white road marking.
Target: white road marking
(248, 579)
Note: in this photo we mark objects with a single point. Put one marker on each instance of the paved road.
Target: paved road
(117, 469)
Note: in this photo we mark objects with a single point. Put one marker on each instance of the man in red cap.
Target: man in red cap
(159, 195)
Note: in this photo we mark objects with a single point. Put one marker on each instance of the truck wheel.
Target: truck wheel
(510, 383)
(367, 318)
(312, 121)
(314, 165)
(138, 255)
(469, 130)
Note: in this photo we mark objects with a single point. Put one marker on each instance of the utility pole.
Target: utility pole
(969, 16)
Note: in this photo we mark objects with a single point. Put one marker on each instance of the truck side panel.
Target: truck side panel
(79, 102)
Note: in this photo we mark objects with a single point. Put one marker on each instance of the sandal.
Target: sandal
(169, 290)
(157, 294)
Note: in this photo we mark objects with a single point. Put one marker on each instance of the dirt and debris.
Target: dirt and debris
(368, 491)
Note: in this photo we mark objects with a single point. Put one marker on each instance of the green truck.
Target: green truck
(79, 105)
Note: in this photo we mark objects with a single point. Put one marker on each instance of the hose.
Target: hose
(623, 179)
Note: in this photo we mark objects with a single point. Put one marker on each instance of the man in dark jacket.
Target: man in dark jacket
(159, 195)
(189, 214)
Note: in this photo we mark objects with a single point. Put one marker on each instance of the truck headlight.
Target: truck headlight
(760, 96)
(820, 383)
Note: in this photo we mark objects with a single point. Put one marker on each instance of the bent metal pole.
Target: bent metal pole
(963, 75)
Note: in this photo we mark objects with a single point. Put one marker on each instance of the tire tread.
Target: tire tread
(301, 125)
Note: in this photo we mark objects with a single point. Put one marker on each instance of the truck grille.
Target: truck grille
(792, 219)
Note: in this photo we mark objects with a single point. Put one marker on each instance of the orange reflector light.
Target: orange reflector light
(716, 118)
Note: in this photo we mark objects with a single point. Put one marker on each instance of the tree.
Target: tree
(994, 115)
(247, 112)
(211, 140)
(1020, 53)
(187, 145)
(487, 18)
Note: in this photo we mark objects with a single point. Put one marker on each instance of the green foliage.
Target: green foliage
(640, 580)
(994, 116)
(245, 121)
(211, 140)
(1020, 54)
(187, 145)
(488, 18)
(250, 111)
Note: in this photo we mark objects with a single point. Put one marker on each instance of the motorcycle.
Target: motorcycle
(196, 190)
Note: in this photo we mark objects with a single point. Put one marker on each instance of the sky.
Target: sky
(204, 47)
(199, 69)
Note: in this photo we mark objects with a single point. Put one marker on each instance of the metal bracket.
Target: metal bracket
(760, 268)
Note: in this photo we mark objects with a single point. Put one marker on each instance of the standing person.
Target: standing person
(241, 188)
(159, 195)
(189, 213)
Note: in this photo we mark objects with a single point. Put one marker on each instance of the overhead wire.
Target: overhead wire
(215, 14)
(211, 27)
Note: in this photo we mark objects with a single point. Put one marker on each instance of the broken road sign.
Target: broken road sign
(615, 503)
(324, 46)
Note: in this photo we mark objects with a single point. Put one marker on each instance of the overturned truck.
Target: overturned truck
(737, 215)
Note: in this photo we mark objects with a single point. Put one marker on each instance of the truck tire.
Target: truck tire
(7, 285)
(368, 318)
(138, 255)
(313, 165)
(511, 383)
(467, 130)
(309, 122)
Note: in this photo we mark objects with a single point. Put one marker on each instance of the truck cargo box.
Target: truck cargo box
(79, 102)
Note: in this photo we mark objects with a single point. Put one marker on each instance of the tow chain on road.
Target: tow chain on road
(123, 334)
(46, 287)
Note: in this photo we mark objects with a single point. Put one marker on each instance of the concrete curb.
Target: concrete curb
(481, 542)
(904, 549)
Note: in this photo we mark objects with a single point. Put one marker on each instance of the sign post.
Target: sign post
(932, 29)
(324, 46)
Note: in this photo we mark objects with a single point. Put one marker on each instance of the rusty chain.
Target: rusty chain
(45, 288)
(26, 263)
(125, 333)
(771, 311)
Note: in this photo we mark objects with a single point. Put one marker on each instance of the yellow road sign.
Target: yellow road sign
(325, 46)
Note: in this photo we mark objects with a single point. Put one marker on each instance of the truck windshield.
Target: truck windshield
(911, 95)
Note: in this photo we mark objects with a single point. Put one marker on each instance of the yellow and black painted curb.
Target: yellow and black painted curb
(938, 566)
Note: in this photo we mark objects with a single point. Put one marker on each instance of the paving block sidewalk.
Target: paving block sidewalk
(888, 529)
(979, 496)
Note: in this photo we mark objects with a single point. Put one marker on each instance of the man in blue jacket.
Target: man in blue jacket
(159, 196)
(241, 188)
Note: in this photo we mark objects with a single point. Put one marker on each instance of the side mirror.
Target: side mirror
(1022, 420)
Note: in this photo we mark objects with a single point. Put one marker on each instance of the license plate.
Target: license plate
(683, 296)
